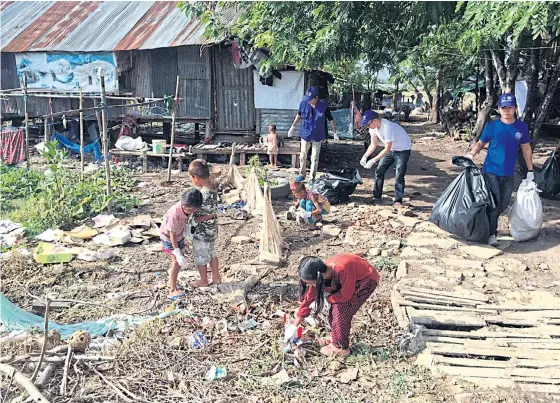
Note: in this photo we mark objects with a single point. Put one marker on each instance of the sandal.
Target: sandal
(333, 351)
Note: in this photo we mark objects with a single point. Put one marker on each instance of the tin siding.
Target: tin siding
(282, 118)
(164, 71)
(141, 77)
(195, 72)
(236, 110)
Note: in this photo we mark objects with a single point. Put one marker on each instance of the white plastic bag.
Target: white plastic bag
(526, 215)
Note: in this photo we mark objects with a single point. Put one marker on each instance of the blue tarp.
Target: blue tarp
(344, 122)
(76, 147)
(12, 317)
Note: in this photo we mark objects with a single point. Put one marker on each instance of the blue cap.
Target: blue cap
(369, 115)
(311, 93)
(505, 100)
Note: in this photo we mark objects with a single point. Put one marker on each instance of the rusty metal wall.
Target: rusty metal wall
(234, 90)
(196, 82)
(141, 78)
(163, 71)
(282, 118)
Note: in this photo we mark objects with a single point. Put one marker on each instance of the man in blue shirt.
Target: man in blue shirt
(314, 113)
(504, 137)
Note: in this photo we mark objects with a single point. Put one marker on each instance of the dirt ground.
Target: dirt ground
(155, 361)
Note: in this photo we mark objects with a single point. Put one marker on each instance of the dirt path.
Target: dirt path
(156, 361)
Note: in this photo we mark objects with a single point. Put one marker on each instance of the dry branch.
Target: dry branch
(24, 382)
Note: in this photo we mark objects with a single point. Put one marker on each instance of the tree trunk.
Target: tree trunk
(512, 63)
(435, 101)
(533, 80)
(490, 100)
(547, 100)
(498, 58)
(395, 95)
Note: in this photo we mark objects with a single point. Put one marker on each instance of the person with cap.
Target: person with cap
(504, 136)
(397, 149)
(314, 113)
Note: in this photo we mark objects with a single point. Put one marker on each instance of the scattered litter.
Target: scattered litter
(104, 220)
(143, 220)
(49, 235)
(222, 327)
(7, 226)
(216, 373)
(351, 374)
(81, 232)
(115, 237)
(197, 340)
(247, 325)
(278, 379)
(49, 253)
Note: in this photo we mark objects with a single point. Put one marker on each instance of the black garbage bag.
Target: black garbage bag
(461, 209)
(548, 177)
(337, 186)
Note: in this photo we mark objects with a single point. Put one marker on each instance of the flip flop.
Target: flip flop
(175, 297)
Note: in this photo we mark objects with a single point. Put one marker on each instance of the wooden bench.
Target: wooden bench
(243, 150)
(180, 157)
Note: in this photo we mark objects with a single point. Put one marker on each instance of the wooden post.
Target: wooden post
(104, 136)
(81, 131)
(46, 128)
(173, 117)
(26, 119)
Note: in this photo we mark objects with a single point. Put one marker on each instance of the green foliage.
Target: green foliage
(495, 20)
(262, 172)
(60, 196)
(385, 264)
(18, 183)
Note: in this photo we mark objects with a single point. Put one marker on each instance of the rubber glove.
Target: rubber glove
(292, 209)
(363, 161)
(307, 214)
(335, 135)
(469, 156)
(291, 131)
(370, 164)
(180, 258)
(530, 176)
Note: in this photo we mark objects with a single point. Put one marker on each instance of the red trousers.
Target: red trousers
(340, 315)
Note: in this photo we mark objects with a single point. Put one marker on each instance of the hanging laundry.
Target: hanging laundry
(12, 145)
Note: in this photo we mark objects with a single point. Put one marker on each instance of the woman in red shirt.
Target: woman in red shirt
(348, 280)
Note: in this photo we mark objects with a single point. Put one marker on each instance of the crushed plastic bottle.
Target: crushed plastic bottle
(197, 340)
(216, 373)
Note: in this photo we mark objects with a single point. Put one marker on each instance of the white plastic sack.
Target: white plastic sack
(526, 215)
(127, 143)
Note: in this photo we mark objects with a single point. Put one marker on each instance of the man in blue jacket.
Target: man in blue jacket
(314, 113)
(504, 136)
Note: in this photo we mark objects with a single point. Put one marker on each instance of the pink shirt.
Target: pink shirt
(174, 221)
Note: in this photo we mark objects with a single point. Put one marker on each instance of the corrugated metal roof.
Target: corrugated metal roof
(93, 26)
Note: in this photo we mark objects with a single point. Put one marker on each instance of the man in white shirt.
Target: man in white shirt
(397, 149)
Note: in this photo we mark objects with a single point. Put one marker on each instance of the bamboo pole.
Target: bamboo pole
(81, 132)
(104, 137)
(97, 108)
(46, 128)
(173, 118)
(26, 120)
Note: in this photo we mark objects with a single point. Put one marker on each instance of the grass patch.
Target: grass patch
(385, 264)
(60, 196)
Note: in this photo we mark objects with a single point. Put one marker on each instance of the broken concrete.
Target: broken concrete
(408, 221)
(481, 251)
(509, 264)
(402, 270)
(420, 239)
(460, 263)
(241, 240)
(331, 230)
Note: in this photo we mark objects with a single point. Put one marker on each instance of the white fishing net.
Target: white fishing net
(253, 194)
(233, 177)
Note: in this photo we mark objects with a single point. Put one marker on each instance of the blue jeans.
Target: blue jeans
(309, 206)
(401, 158)
(501, 188)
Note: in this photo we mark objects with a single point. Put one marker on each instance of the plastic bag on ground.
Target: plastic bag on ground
(461, 209)
(548, 177)
(526, 215)
(337, 186)
(127, 143)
